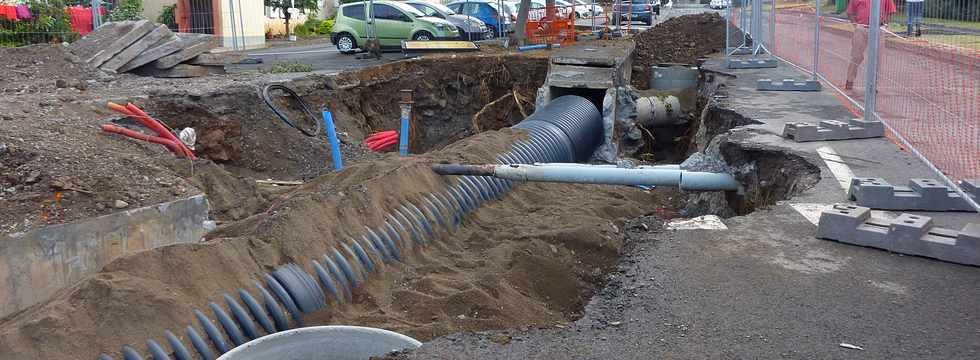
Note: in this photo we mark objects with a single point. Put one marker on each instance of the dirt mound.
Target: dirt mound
(529, 260)
(682, 39)
(37, 68)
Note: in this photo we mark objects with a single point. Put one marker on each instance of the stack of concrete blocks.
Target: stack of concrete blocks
(907, 234)
(148, 49)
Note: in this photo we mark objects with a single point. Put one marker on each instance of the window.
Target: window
(471, 9)
(428, 11)
(385, 12)
(354, 11)
(456, 7)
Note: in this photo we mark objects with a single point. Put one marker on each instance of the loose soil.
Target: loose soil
(530, 260)
(56, 166)
(682, 39)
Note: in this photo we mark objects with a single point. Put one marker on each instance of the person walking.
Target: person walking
(859, 12)
(914, 10)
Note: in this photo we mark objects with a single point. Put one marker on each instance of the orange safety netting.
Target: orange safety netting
(551, 25)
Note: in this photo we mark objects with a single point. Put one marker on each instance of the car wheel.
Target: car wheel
(649, 22)
(346, 43)
(463, 35)
(422, 36)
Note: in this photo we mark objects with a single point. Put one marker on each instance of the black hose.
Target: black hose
(303, 105)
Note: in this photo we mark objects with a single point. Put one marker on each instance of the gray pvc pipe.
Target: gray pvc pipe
(686, 180)
(323, 342)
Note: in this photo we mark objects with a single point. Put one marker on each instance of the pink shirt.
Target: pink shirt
(860, 10)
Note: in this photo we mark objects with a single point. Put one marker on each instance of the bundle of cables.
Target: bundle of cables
(378, 142)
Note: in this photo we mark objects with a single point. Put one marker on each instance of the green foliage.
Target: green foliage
(51, 24)
(310, 7)
(325, 28)
(127, 10)
(168, 18)
(288, 67)
(302, 30)
(312, 23)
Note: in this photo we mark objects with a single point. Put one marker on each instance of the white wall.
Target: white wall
(252, 12)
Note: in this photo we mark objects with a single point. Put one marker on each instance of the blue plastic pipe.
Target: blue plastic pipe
(403, 134)
(536, 47)
(338, 163)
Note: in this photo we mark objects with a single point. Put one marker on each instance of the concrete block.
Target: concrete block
(36, 265)
(103, 45)
(164, 47)
(752, 64)
(971, 187)
(921, 194)
(136, 48)
(192, 46)
(840, 221)
(907, 234)
(833, 130)
(788, 85)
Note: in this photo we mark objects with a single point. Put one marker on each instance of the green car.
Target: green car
(394, 21)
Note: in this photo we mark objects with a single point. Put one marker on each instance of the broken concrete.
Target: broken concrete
(36, 265)
(113, 65)
(107, 41)
(182, 71)
(164, 47)
(191, 46)
(216, 59)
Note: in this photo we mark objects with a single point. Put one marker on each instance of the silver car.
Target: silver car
(470, 28)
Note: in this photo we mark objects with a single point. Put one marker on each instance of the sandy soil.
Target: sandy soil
(530, 260)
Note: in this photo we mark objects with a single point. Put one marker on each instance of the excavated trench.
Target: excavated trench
(533, 259)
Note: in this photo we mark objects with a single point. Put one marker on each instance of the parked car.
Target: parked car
(470, 28)
(719, 4)
(589, 8)
(486, 11)
(394, 22)
(639, 10)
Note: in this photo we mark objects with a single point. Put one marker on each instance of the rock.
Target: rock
(461, 317)
(119, 204)
(554, 249)
(502, 339)
(32, 177)
(100, 206)
(61, 83)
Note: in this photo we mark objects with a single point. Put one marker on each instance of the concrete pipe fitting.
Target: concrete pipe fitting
(655, 111)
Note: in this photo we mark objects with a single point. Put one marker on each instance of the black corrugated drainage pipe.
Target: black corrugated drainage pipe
(568, 129)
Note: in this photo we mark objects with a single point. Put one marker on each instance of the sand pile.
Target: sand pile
(531, 259)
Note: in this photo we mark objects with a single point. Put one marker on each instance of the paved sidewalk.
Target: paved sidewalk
(765, 287)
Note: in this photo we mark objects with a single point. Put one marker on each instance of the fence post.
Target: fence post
(816, 44)
(874, 34)
(234, 30)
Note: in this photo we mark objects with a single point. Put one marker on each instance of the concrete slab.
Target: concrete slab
(101, 45)
(163, 47)
(136, 48)
(921, 194)
(210, 59)
(36, 265)
(192, 46)
(182, 71)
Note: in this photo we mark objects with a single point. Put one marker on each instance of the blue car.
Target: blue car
(486, 11)
(640, 10)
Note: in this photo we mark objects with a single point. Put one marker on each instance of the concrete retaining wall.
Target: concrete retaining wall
(35, 265)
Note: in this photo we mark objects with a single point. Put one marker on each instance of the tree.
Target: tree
(308, 6)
